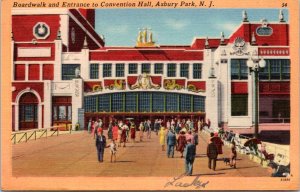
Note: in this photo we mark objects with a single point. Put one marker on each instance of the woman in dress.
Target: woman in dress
(115, 131)
(162, 137)
(181, 142)
(141, 128)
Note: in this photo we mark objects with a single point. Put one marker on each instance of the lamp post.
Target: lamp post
(254, 65)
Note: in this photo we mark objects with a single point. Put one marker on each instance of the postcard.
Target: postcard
(150, 95)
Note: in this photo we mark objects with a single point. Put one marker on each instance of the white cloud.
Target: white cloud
(176, 24)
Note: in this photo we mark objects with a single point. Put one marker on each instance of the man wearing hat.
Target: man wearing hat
(212, 154)
(100, 144)
(189, 154)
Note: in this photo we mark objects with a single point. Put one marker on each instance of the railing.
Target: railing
(34, 134)
(274, 120)
(281, 154)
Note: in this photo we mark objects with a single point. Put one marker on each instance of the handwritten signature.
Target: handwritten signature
(177, 183)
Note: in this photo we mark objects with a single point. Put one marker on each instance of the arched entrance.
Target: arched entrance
(28, 111)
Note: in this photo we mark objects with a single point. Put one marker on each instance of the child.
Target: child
(113, 150)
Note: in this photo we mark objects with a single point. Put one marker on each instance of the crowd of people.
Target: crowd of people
(174, 135)
(179, 135)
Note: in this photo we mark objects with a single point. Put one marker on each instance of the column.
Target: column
(151, 68)
(126, 69)
(191, 71)
(85, 64)
(40, 115)
(57, 62)
(165, 66)
(77, 99)
(211, 102)
(47, 104)
(113, 70)
(100, 71)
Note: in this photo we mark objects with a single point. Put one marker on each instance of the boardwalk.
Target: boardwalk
(75, 155)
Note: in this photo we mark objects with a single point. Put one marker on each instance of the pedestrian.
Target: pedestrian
(195, 137)
(115, 130)
(119, 136)
(233, 155)
(96, 126)
(148, 129)
(212, 154)
(181, 142)
(89, 126)
(189, 155)
(100, 144)
(162, 137)
(168, 124)
(132, 132)
(123, 136)
(218, 142)
(171, 142)
(141, 128)
(189, 135)
(113, 150)
(110, 131)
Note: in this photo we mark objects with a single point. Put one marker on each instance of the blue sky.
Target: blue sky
(173, 26)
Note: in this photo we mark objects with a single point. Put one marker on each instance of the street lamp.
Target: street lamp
(254, 65)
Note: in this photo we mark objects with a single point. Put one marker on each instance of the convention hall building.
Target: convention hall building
(63, 74)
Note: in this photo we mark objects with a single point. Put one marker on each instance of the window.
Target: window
(94, 71)
(104, 103)
(117, 102)
(276, 69)
(68, 71)
(158, 100)
(107, 70)
(132, 68)
(197, 70)
(239, 69)
(90, 103)
(28, 113)
(171, 70)
(184, 70)
(62, 113)
(158, 68)
(239, 105)
(144, 102)
(120, 70)
(185, 103)
(171, 102)
(199, 104)
(62, 108)
(130, 105)
(145, 67)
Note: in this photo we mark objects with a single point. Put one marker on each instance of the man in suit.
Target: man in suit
(100, 144)
(171, 142)
(212, 154)
(189, 154)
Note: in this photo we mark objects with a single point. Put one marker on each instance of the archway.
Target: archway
(28, 111)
